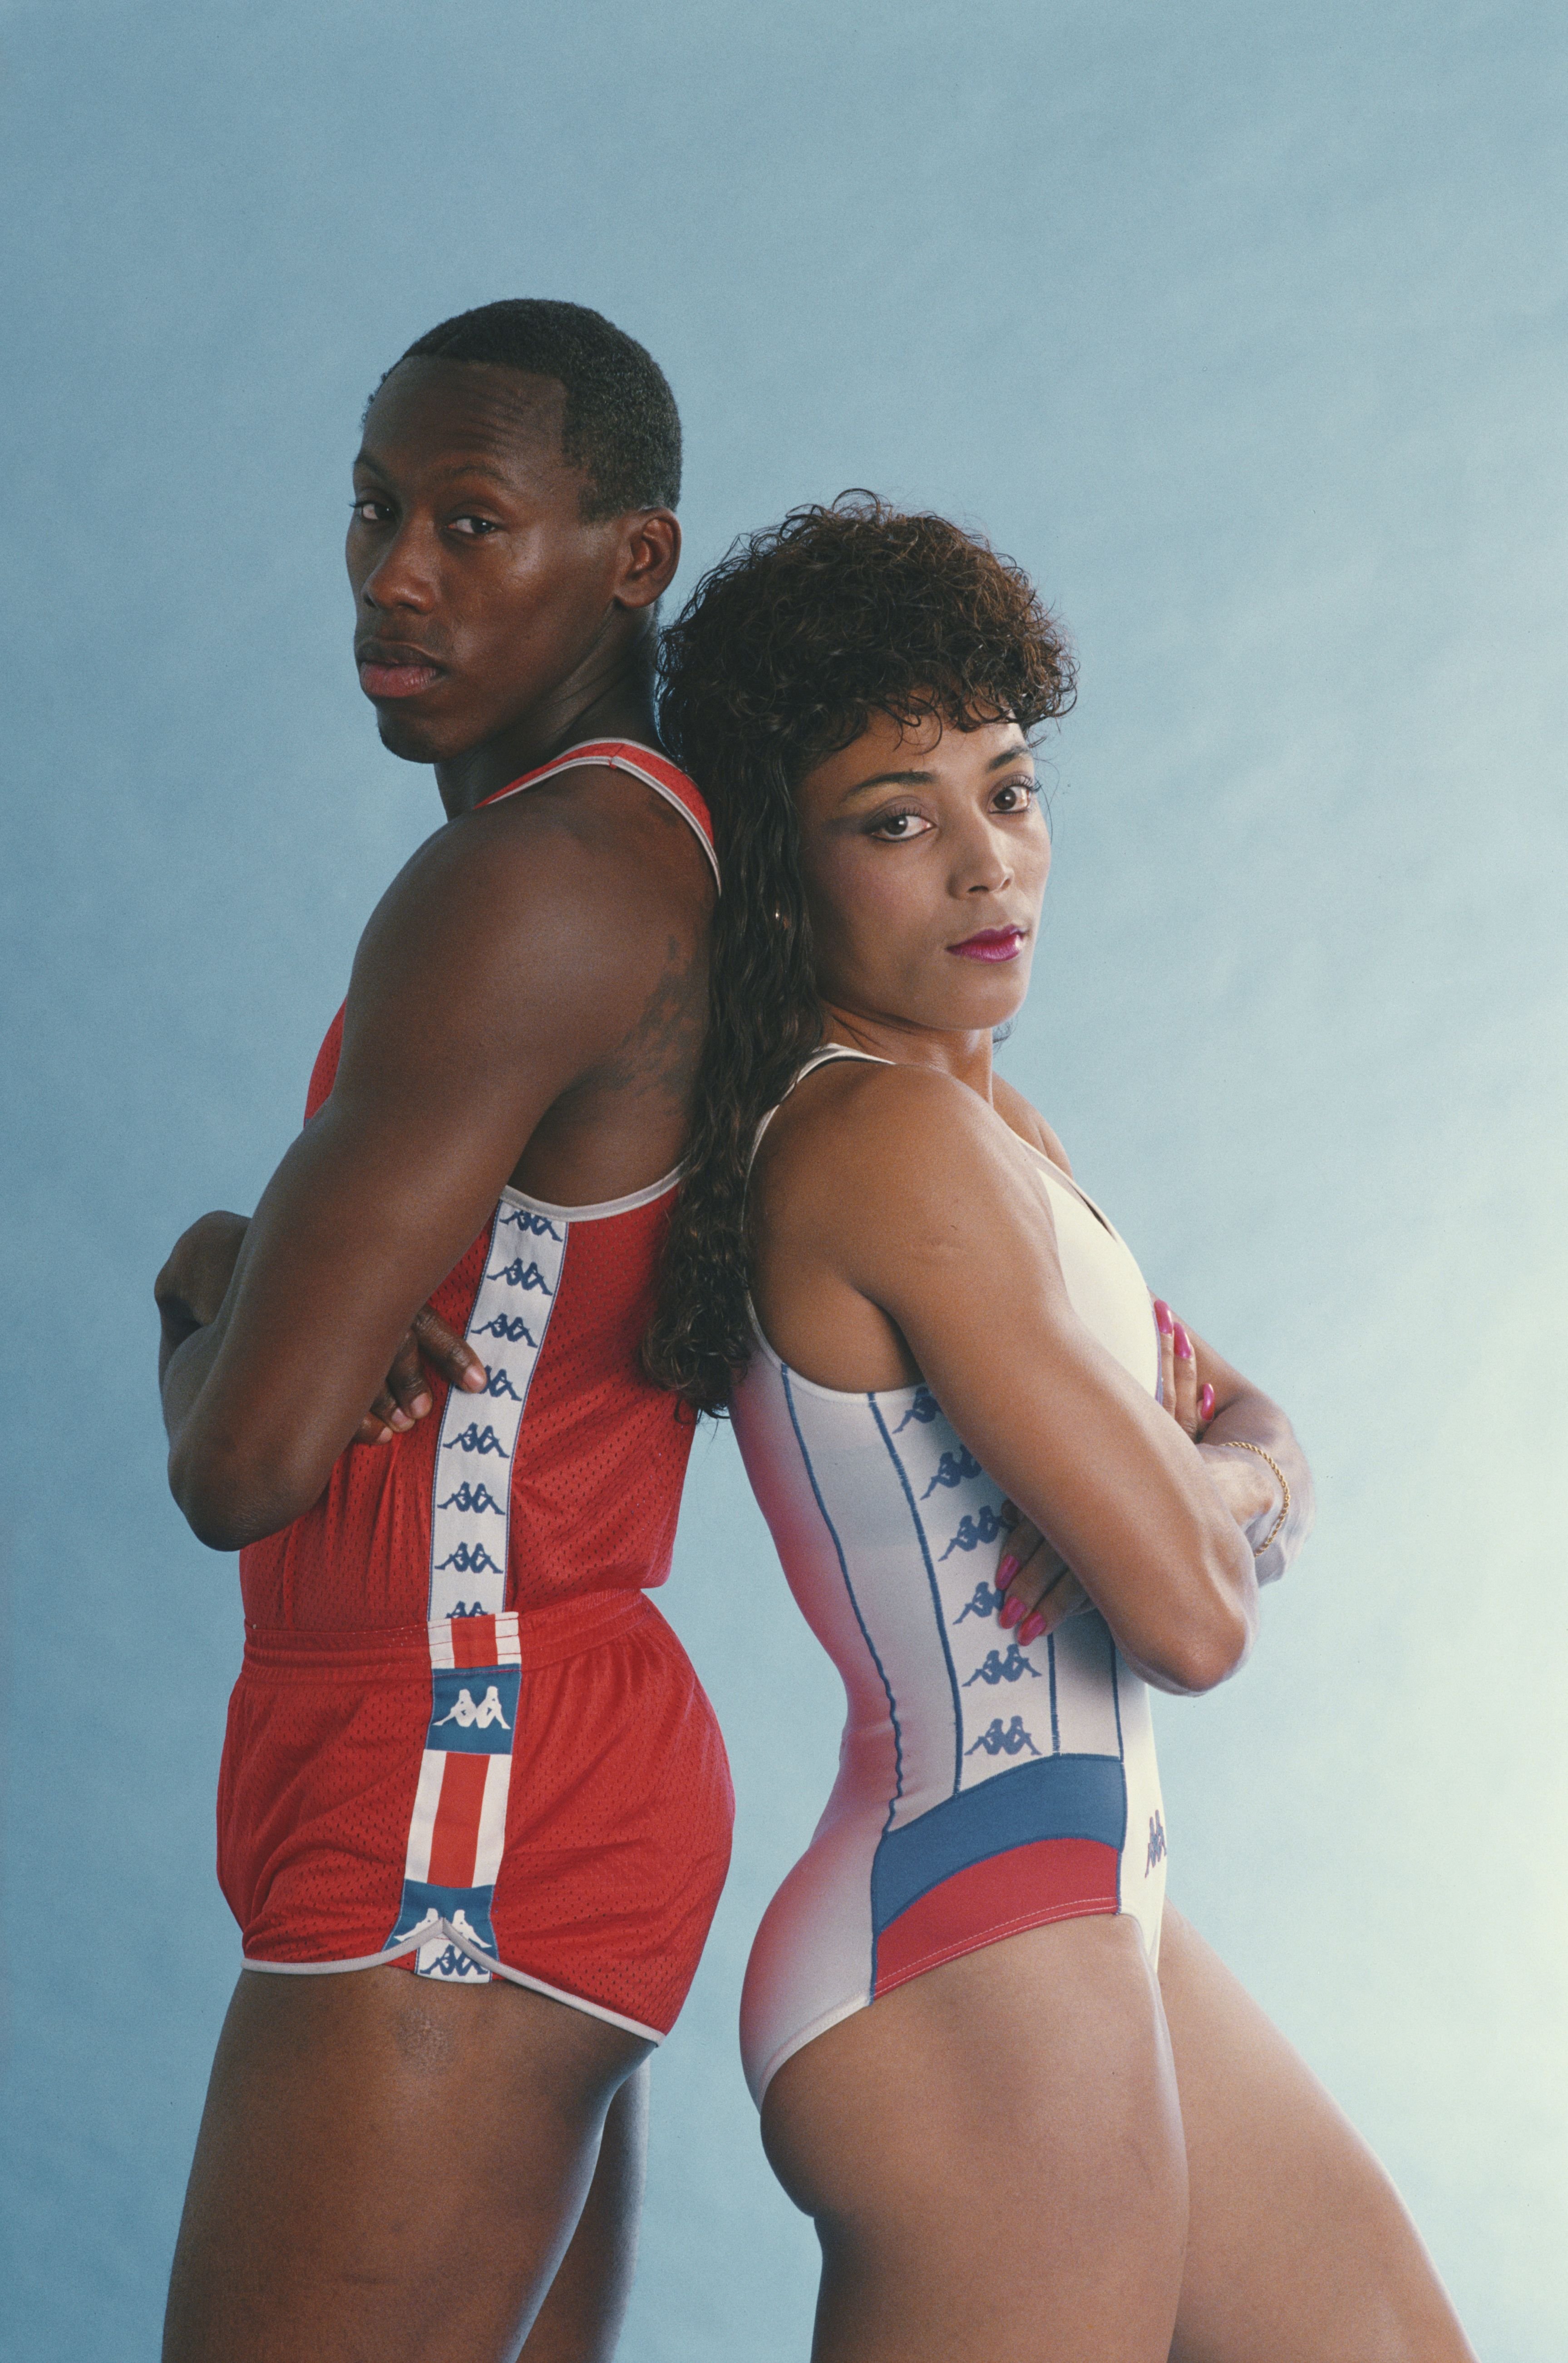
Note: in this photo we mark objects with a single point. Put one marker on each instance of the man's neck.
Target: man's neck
(618, 704)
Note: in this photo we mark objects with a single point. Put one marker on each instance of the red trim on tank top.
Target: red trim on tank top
(646, 763)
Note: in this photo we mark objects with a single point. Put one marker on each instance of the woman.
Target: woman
(1031, 2114)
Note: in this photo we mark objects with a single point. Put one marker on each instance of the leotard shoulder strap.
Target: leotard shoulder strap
(823, 1057)
(644, 763)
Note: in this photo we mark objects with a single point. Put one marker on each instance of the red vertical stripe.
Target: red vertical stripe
(455, 1838)
(473, 1640)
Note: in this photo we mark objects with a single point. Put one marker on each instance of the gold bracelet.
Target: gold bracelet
(1235, 1444)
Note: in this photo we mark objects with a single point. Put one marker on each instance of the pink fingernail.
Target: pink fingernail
(1006, 1572)
(1162, 1320)
(1206, 1401)
(419, 1407)
(401, 1421)
(1031, 1628)
(476, 1378)
(1184, 1343)
(1011, 1612)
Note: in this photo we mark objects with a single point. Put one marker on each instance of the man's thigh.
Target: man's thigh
(1299, 2248)
(387, 2167)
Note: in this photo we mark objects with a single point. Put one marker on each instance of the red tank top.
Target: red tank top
(564, 1477)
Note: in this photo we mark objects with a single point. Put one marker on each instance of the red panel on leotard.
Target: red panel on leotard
(1053, 1879)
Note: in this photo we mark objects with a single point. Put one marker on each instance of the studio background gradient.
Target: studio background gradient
(1245, 330)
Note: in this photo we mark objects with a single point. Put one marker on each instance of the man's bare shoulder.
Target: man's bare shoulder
(587, 884)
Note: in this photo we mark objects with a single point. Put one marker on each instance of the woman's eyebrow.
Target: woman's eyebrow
(891, 780)
(928, 779)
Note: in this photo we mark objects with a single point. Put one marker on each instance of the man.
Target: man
(474, 1812)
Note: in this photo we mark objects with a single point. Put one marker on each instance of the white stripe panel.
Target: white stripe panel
(493, 1821)
(1086, 1700)
(471, 1498)
(422, 1827)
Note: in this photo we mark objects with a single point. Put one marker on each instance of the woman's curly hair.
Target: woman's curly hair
(782, 656)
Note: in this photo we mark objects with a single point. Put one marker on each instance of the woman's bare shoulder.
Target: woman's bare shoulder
(1018, 1115)
(855, 1121)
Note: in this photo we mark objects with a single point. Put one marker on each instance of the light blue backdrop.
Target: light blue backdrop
(1245, 328)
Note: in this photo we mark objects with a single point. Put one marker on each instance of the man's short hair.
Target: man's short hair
(620, 424)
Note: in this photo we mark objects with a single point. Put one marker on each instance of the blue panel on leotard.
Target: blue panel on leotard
(1060, 1797)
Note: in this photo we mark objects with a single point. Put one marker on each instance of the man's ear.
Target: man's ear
(651, 553)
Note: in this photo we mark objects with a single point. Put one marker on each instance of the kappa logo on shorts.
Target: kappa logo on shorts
(982, 1602)
(473, 1710)
(1011, 1742)
(994, 1667)
(469, 1717)
(1156, 1843)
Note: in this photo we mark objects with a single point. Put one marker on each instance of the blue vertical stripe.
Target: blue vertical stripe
(1050, 1655)
(854, 1603)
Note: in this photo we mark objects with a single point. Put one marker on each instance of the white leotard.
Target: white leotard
(983, 1788)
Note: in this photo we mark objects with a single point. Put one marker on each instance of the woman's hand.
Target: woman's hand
(190, 1289)
(1189, 1404)
(1038, 1589)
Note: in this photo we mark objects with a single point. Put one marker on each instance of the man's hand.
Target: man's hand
(406, 1397)
(191, 1288)
(1038, 1589)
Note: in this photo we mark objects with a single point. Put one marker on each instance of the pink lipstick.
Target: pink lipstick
(991, 944)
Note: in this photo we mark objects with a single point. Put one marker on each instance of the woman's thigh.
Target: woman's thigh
(1298, 2250)
(992, 2154)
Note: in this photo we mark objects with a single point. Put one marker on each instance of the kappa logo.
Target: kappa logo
(500, 1387)
(952, 1470)
(533, 1227)
(476, 1439)
(451, 1964)
(462, 1608)
(474, 1497)
(984, 1528)
(469, 1718)
(514, 1328)
(1011, 1742)
(517, 1274)
(982, 1602)
(1156, 1843)
(469, 1560)
(925, 1408)
(996, 1668)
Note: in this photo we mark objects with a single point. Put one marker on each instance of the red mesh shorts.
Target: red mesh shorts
(543, 1797)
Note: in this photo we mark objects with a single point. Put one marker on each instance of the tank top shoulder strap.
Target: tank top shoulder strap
(829, 1053)
(645, 763)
